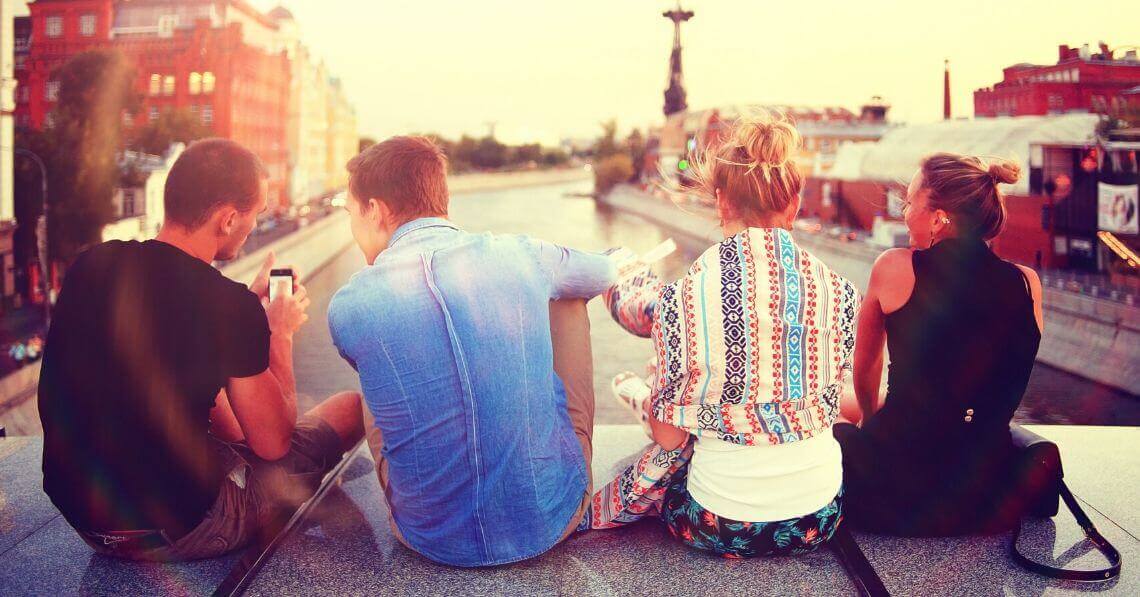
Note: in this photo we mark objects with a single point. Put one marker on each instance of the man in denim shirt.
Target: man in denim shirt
(481, 388)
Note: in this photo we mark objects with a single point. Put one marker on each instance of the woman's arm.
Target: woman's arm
(632, 303)
(892, 280)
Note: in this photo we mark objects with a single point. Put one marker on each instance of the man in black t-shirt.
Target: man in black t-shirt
(167, 394)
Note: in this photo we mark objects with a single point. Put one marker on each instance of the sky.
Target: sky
(544, 70)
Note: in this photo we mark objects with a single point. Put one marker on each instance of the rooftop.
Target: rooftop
(345, 547)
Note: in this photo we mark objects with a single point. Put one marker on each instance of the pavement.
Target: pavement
(344, 546)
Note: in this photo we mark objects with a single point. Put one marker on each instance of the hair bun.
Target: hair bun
(768, 138)
(1005, 172)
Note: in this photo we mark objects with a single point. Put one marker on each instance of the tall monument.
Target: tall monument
(675, 93)
(946, 92)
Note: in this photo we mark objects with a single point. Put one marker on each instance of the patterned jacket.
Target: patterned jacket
(752, 344)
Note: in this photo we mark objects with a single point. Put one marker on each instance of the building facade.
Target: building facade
(138, 202)
(221, 60)
(7, 111)
(1075, 207)
(1080, 81)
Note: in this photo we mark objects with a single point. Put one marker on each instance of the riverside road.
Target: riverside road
(560, 214)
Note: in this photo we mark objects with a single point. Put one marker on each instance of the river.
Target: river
(557, 214)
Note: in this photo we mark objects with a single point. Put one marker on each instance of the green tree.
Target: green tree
(635, 146)
(607, 145)
(612, 171)
(172, 126)
(84, 141)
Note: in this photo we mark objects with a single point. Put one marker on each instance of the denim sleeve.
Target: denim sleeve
(573, 273)
(334, 316)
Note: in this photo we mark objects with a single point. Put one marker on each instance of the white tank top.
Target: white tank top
(765, 483)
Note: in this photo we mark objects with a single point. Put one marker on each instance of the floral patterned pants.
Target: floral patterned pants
(657, 486)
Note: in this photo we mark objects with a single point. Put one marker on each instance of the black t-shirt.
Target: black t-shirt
(142, 339)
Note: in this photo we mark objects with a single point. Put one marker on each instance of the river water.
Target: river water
(554, 213)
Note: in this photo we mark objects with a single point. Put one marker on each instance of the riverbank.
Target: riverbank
(1091, 338)
(308, 249)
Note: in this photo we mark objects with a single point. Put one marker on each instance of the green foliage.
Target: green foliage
(179, 125)
(468, 154)
(611, 171)
(82, 147)
(607, 144)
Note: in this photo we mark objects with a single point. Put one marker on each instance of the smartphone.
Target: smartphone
(280, 280)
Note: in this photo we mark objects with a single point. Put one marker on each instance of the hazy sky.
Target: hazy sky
(544, 70)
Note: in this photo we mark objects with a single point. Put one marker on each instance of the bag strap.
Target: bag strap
(1093, 535)
(861, 572)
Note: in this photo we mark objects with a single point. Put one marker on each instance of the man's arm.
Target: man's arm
(575, 274)
(265, 405)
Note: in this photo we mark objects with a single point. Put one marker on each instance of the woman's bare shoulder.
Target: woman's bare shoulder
(892, 261)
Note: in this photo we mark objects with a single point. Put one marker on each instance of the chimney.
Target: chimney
(946, 92)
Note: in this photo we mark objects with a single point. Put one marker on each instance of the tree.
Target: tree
(84, 140)
(172, 126)
(635, 146)
(365, 143)
(606, 145)
(490, 154)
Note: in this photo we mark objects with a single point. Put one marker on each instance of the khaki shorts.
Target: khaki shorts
(253, 496)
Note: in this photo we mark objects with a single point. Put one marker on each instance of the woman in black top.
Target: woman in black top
(962, 328)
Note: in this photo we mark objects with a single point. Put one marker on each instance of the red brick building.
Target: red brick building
(220, 59)
(1081, 81)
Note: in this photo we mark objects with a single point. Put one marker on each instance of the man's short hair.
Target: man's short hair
(409, 174)
(209, 174)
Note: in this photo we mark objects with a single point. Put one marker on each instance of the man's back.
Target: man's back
(143, 338)
(451, 335)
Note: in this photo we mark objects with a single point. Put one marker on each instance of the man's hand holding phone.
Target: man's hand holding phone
(286, 304)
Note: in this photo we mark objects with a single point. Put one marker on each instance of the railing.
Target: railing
(1089, 284)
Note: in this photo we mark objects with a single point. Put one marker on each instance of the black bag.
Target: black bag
(1041, 486)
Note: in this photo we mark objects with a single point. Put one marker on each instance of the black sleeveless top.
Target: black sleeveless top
(961, 351)
(961, 348)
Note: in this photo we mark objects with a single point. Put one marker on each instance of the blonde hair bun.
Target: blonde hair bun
(1005, 171)
(767, 137)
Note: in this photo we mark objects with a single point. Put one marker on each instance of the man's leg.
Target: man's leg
(573, 362)
(344, 412)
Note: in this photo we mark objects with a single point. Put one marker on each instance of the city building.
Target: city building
(342, 140)
(1080, 81)
(139, 199)
(231, 65)
(7, 110)
(322, 133)
(1074, 208)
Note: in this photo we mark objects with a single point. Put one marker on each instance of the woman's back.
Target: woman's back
(962, 348)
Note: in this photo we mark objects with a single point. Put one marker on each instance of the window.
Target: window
(128, 118)
(152, 115)
(207, 82)
(168, 85)
(54, 26)
(24, 94)
(128, 207)
(49, 120)
(155, 84)
(207, 114)
(195, 83)
(87, 25)
(51, 91)
(1075, 75)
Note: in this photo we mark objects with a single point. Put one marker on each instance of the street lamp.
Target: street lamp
(41, 234)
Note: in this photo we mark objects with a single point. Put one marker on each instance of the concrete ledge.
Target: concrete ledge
(346, 546)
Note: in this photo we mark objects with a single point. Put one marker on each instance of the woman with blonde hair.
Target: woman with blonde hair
(751, 347)
(962, 327)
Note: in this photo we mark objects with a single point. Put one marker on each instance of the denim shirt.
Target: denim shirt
(450, 333)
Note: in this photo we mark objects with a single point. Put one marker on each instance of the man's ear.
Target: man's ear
(379, 213)
(225, 219)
